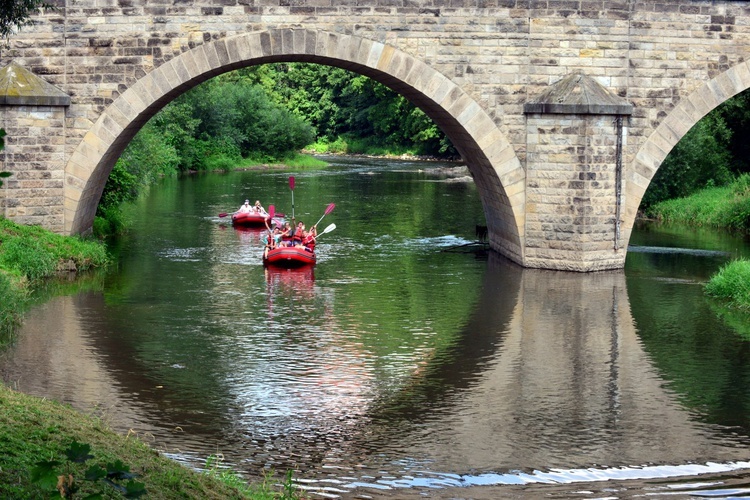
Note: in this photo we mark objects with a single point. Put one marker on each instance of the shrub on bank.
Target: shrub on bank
(732, 283)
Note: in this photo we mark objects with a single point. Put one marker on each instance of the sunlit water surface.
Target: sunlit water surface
(407, 359)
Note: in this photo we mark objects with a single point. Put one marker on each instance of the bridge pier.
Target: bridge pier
(575, 136)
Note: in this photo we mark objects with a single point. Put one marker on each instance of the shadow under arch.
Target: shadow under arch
(675, 125)
(497, 171)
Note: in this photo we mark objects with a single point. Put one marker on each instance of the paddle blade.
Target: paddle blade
(223, 214)
(271, 212)
(328, 229)
(330, 208)
(291, 182)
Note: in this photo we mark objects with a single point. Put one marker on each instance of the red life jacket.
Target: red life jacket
(309, 242)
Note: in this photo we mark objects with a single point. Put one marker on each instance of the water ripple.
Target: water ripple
(417, 479)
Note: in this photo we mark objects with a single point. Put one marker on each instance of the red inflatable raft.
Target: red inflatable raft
(249, 219)
(289, 257)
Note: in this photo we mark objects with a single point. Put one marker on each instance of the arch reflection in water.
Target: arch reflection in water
(547, 373)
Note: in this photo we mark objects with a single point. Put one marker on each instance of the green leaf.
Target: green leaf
(135, 489)
(95, 473)
(78, 452)
(44, 474)
(94, 496)
(5, 174)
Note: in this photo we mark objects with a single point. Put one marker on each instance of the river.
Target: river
(409, 360)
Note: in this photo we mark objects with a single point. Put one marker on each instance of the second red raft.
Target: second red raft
(249, 219)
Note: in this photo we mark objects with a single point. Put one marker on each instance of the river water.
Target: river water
(408, 361)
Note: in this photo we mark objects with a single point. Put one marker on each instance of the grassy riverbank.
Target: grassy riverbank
(41, 441)
(295, 161)
(35, 433)
(726, 207)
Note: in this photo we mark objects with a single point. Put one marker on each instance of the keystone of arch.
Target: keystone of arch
(673, 128)
(498, 173)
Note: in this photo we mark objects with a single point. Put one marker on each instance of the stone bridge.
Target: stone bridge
(563, 110)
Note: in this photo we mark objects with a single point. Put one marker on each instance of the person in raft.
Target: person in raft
(245, 208)
(308, 241)
(287, 233)
(299, 234)
(258, 208)
(305, 239)
(273, 237)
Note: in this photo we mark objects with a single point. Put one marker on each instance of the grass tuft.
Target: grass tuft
(732, 283)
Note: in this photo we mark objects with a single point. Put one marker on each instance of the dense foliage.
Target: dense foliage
(228, 121)
(713, 153)
(268, 112)
(341, 104)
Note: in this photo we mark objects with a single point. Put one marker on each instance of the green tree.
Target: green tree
(701, 159)
(736, 114)
(178, 127)
(337, 102)
(148, 157)
(238, 120)
(15, 14)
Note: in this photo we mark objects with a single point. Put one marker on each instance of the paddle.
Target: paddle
(291, 186)
(329, 209)
(223, 214)
(327, 230)
(269, 217)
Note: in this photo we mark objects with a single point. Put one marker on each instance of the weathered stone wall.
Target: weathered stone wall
(673, 60)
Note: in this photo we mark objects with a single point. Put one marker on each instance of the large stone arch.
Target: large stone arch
(672, 128)
(497, 171)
